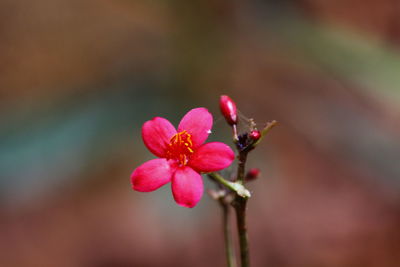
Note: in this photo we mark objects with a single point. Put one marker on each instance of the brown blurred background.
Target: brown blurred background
(79, 77)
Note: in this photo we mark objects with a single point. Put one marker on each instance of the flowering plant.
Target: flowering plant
(183, 157)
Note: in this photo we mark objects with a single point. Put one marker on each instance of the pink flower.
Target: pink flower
(182, 156)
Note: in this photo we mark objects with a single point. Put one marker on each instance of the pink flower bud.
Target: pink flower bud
(252, 174)
(228, 109)
(255, 135)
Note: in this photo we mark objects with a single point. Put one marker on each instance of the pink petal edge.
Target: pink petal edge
(187, 187)
(156, 135)
(211, 157)
(151, 175)
(197, 122)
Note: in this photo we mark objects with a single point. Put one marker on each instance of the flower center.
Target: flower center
(180, 147)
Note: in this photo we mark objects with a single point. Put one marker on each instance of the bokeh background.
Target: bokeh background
(79, 77)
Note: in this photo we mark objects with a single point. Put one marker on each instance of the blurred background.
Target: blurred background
(79, 77)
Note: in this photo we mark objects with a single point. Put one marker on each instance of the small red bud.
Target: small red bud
(252, 174)
(228, 109)
(255, 135)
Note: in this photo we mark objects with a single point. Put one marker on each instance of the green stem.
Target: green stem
(235, 134)
(236, 187)
(229, 252)
(218, 178)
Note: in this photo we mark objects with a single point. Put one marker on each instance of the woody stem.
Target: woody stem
(240, 205)
(229, 251)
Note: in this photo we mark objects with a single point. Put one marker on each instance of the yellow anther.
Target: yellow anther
(180, 147)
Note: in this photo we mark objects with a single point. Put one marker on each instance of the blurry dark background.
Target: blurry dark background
(79, 77)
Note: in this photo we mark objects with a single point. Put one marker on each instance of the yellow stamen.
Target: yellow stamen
(180, 147)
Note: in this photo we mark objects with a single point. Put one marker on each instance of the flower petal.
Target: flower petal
(151, 175)
(187, 187)
(211, 157)
(197, 122)
(156, 135)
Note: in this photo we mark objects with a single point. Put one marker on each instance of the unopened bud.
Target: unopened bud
(252, 174)
(255, 135)
(228, 109)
